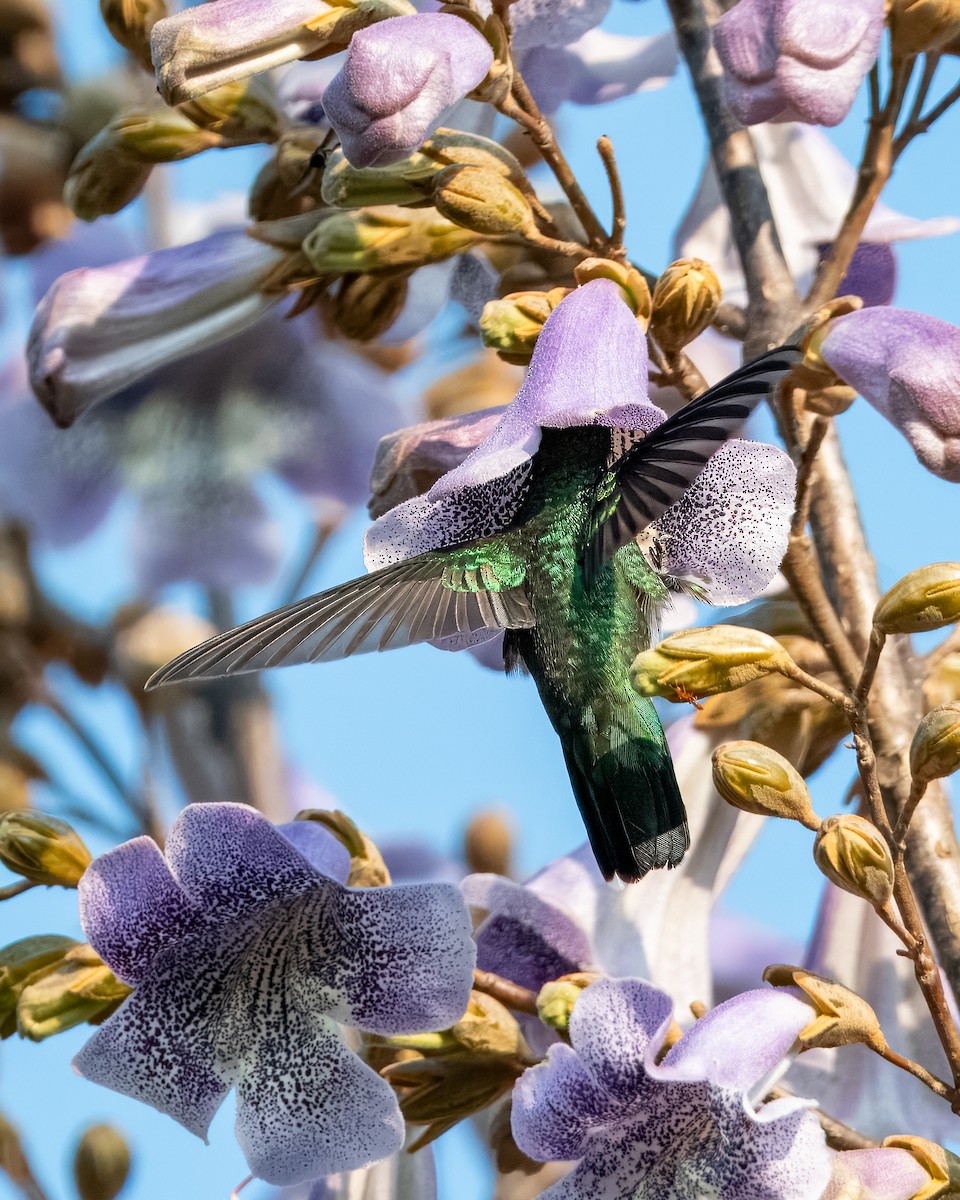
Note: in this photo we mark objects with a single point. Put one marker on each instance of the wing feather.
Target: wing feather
(654, 474)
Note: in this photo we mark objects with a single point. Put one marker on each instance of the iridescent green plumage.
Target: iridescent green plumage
(565, 579)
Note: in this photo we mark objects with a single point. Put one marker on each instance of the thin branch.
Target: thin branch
(834, 695)
(914, 129)
(97, 753)
(605, 149)
(931, 62)
(876, 167)
(917, 792)
(818, 431)
(511, 995)
(913, 1068)
(870, 664)
(801, 569)
(323, 531)
(17, 889)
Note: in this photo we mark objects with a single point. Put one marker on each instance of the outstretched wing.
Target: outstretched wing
(654, 474)
(434, 595)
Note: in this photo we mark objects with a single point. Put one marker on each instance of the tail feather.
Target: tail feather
(626, 789)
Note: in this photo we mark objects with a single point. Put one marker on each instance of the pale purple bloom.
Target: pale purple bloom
(690, 1126)
(399, 80)
(246, 953)
(871, 275)
(907, 365)
(551, 22)
(727, 534)
(800, 60)
(598, 67)
(100, 329)
(810, 184)
(190, 444)
(205, 46)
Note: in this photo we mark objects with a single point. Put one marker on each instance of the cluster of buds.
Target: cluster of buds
(51, 983)
(42, 849)
(441, 1078)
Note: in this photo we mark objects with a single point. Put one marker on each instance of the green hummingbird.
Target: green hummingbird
(575, 593)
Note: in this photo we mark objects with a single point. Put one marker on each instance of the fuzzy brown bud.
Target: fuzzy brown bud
(130, 22)
(383, 238)
(101, 1163)
(928, 598)
(23, 962)
(702, 662)
(852, 853)
(79, 988)
(942, 1166)
(842, 1017)
(144, 641)
(636, 290)
(918, 26)
(756, 779)
(512, 325)
(103, 180)
(488, 844)
(685, 300)
(482, 201)
(42, 849)
(241, 112)
(935, 750)
(365, 306)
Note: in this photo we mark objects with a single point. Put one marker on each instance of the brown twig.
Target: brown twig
(805, 470)
(917, 792)
(876, 166)
(801, 569)
(919, 125)
(913, 1068)
(17, 889)
(511, 995)
(605, 150)
(323, 531)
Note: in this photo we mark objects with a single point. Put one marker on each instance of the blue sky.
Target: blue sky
(412, 743)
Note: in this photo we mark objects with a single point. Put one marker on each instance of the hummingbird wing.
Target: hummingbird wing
(654, 474)
(435, 595)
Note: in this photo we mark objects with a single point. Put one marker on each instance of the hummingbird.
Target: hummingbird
(577, 597)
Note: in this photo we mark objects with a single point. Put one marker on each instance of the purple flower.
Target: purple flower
(398, 81)
(810, 184)
(726, 536)
(203, 47)
(191, 443)
(551, 22)
(246, 953)
(97, 330)
(598, 67)
(798, 60)
(694, 1124)
(871, 275)
(907, 365)
(686, 1127)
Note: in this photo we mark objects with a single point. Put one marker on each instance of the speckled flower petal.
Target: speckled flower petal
(399, 79)
(738, 1043)
(555, 1105)
(616, 1025)
(880, 1174)
(409, 964)
(157, 1050)
(907, 365)
(309, 1107)
(729, 531)
(523, 937)
(319, 847)
(131, 907)
(227, 857)
(589, 368)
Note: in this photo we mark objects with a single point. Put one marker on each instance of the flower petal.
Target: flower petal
(524, 938)
(553, 22)
(308, 1106)
(554, 1106)
(319, 847)
(599, 67)
(616, 1024)
(730, 528)
(408, 965)
(738, 1043)
(131, 907)
(227, 857)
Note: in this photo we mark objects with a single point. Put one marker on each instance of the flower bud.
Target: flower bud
(367, 868)
(23, 962)
(144, 641)
(942, 685)
(843, 1018)
(163, 135)
(756, 779)
(79, 988)
(410, 180)
(942, 1166)
(702, 662)
(42, 849)
(101, 1163)
(917, 26)
(853, 854)
(488, 844)
(685, 301)
(482, 201)
(103, 180)
(130, 22)
(935, 749)
(827, 401)
(241, 112)
(556, 999)
(375, 239)
(512, 325)
(488, 1027)
(927, 598)
(636, 290)
(365, 306)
